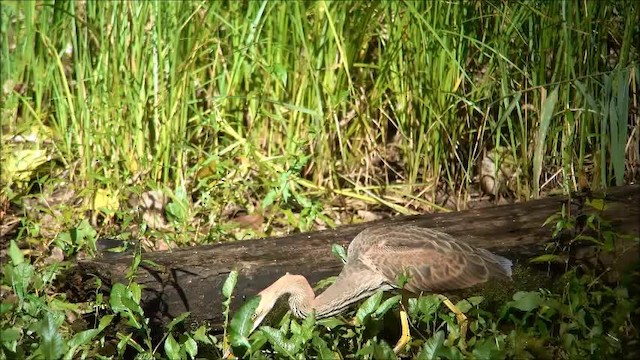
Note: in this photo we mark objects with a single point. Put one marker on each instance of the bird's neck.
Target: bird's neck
(301, 295)
(302, 299)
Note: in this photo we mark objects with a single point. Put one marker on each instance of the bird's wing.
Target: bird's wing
(430, 260)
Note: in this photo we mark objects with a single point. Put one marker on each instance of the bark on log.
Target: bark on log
(191, 278)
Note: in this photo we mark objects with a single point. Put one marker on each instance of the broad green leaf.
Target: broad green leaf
(9, 338)
(269, 198)
(191, 347)
(382, 350)
(368, 307)
(21, 276)
(6, 306)
(386, 306)
(229, 284)
(201, 335)
(15, 253)
(322, 349)
(118, 291)
(466, 304)
(171, 347)
(241, 325)
(487, 349)
(279, 342)
(428, 305)
(52, 345)
(432, 346)
(78, 340)
(136, 293)
(308, 324)
(178, 208)
(177, 320)
(105, 321)
(526, 300)
(331, 322)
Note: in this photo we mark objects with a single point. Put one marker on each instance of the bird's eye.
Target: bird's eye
(254, 316)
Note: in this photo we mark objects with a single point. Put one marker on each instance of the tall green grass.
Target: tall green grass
(383, 102)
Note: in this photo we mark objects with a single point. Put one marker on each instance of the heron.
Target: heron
(429, 260)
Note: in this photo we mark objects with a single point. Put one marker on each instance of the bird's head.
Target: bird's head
(268, 298)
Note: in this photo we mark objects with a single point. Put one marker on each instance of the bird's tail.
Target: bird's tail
(502, 265)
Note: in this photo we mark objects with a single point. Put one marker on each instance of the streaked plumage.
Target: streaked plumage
(432, 261)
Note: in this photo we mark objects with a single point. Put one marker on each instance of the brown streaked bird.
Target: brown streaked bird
(431, 260)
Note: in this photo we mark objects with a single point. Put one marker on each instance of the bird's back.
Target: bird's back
(429, 259)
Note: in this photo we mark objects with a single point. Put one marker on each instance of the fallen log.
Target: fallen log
(190, 279)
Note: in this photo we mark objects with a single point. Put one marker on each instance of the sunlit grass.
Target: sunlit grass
(373, 94)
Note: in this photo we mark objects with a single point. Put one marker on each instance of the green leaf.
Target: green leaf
(368, 307)
(269, 198)
(279, 342)
(229, 284)
(136, 293)
(428, 305)
(21, 275)
(51, 343)
(118, 291)
(9, 338)
(121, 301)
(386, 306)
(122, 344)
(81, 338)
(241, 325)
(201, 335)
(402, 279)
(105, 321)
(548, 258)
(331, 322)
(308, 324)
(322, 349)
(171, 347)
(177, 320)
(191, 347)
(339, 252)
(15, 253)
(525, 300)
(466, 304)
(432, 347)
(545, 120)
(487, 349)
(597, 204)
(6, 306)
(178, 208)
(382, 350)
(84, 234)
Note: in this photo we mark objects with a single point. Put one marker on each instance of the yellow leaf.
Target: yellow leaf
(597, 204)
(105, 200)
(19, 165)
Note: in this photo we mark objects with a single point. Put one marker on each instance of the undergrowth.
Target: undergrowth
(584, 316)
(164, 124)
